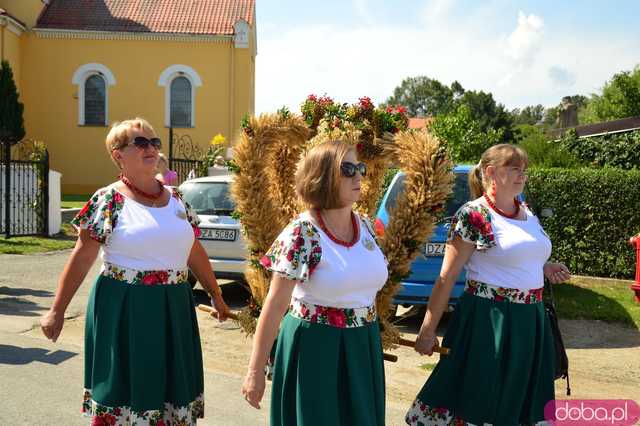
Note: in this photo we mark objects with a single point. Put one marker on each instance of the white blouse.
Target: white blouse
(509, 253)
(327, 273)
(136, 236)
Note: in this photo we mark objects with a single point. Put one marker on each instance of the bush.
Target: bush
(617, 150)
(596, 211)
(543, 152)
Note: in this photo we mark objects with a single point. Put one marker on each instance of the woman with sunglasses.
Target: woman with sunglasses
(500, 369)
(327, 269)
(143, 361)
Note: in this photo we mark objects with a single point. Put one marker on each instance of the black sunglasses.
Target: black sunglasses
(141, 142)
(349, 169)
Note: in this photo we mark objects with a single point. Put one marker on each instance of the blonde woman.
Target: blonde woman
(165, 175)
(327, 269)
(500, 369)
(143, 362)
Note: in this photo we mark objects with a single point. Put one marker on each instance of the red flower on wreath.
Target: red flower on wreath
(365, 102)
(312, 98)
(359, 147)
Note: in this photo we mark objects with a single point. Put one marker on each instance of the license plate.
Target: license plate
(434, 249)
(218, 234)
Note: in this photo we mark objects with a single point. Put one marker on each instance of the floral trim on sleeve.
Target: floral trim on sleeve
(192, 216)
(472, 222)
(296, 252)
(100, 214)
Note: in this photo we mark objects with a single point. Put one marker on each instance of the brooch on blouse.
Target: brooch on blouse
(368, 244)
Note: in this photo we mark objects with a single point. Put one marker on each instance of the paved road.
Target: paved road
(42, 382)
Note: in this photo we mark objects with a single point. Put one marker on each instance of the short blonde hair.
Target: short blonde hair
(318, 175)
(498, 155)
(120, 134)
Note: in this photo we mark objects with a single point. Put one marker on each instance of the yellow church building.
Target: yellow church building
(80, 65)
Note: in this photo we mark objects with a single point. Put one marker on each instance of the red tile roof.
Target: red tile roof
(419, 123)
(8, 15)
(157, 16)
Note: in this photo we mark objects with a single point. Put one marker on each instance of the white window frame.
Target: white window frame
(80, 78)
(165, 80)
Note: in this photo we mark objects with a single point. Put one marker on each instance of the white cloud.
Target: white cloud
(436, 11)
(524, 42)
(514, 65)
(362, 9)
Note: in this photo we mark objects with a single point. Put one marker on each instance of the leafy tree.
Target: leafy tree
(488, 114)
(11, 121)
(424, 96)
(620, 98)
(462, 135)
(531, 114)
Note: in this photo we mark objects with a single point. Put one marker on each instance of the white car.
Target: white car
(219, 232)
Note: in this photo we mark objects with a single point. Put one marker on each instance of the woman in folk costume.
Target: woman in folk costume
(143, 362)
(501, 366)
(327, 269)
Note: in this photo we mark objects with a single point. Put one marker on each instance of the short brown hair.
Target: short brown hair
(318, 175)
(120, 133)
(498, 155)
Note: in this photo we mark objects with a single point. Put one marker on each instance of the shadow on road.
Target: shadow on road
(15, 355)
(12, 291)
(20, 307)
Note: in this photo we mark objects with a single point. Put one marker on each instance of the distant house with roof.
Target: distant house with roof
(82, 64)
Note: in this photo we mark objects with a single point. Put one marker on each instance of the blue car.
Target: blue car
(417, 287)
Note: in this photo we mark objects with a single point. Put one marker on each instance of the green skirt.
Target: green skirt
(327, 375)
(501, 366)
(143, 361)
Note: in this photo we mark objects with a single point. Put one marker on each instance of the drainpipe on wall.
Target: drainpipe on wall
(3, 24)
(232, 89)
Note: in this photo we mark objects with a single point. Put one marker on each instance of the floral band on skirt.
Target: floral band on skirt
(502, 294)
(334, 317)
(137, 277)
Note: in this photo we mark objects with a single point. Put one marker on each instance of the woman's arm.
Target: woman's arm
(275, 306)
(199, 264)
(456, 255)
(556, 273)
(74, 272)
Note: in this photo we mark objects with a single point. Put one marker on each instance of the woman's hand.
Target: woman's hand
(51, 324)
(253, 388)
(222, 310)
(556, 272)
(425, 343)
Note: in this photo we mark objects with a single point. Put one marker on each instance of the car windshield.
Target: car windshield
(459, 195)
(208, 198)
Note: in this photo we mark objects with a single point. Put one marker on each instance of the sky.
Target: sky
(525, 52)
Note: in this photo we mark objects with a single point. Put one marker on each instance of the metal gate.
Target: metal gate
(24, 189)
(185, 157)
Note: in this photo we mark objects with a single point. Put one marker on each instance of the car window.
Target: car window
(459, 195)
(208, 198)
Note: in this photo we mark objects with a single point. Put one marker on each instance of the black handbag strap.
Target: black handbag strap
(548, 286)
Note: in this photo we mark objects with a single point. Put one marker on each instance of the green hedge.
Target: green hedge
(596, 211)
(616, 150)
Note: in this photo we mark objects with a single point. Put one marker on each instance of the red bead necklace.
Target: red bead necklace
(502, 212)
(140, 192)
(354, 223)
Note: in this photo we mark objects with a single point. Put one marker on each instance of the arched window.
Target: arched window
(93, 81)
(181, 102)
(180, 83)
(95, 101)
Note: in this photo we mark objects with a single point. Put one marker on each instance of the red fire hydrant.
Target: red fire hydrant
(635, 242)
